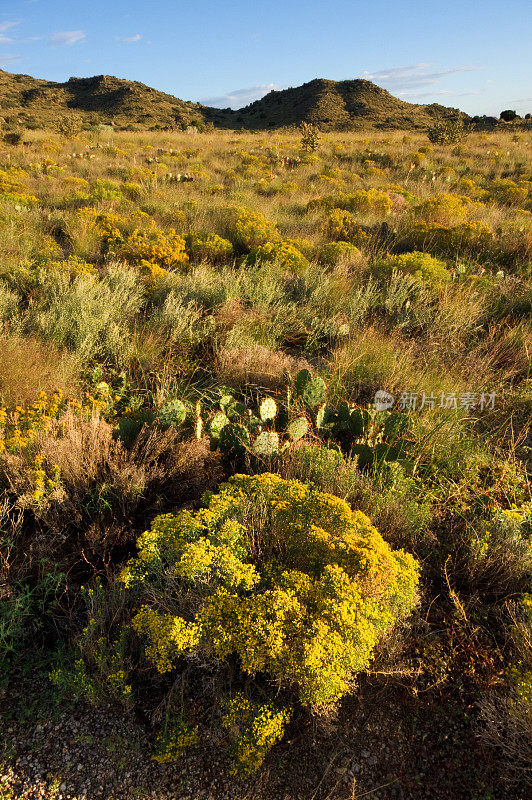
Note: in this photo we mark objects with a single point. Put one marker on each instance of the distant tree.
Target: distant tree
(70, 125)
(528, 116)
(508, 115)
(448, 131)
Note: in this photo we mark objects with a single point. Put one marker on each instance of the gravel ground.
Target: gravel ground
(386, 753)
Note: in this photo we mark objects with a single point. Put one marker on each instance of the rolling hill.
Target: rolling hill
(332, 105)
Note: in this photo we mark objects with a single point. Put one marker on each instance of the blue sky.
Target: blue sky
(470, 54)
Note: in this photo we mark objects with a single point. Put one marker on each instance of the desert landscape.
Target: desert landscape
(265, 446)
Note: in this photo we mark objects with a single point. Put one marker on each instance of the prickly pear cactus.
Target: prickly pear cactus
(198, 427)
(172, 413)
(322, 416)
(266, 444)
(236, 410)
(358, 420)
(234, 439)
(268, 409)
(312, 390)
(297, 428)
(365, 453)
(301, 380)
(219, 421)
(395, 425)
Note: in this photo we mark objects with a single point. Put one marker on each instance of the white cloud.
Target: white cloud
(129, 39)
(441, 93)
(6, 59)
(5, 26)
(404, 81)
(4, 39)
(62, 38)
(240, 97)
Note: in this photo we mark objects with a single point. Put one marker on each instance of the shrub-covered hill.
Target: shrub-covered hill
(340, 105)
(100, 99)
(333, 105)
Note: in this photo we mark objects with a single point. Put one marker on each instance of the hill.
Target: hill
(333, 105)
(339, 105)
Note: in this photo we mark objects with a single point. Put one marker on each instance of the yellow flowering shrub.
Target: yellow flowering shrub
(307, 248)
(73, 265)
(167, 636)
(509, 193)
(445, 209)
(153, 245)
(110, 227)
(343, 226)
(210, 247)
(19, 426)
(522, 680)
(362, 201)
(173, 739)
(467, 236)
(248, 229)
(291, 580)
(72, 181)
(469, 187)
(13, 187)
(103, 670)
(253, 729)
(284, 253)
(422, 266)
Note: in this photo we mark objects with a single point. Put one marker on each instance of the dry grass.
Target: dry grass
(104, 488)
(505, 724)
(29, 366)
(256, 365)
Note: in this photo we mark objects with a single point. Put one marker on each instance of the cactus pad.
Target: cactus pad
(268, 409)
(297, 428)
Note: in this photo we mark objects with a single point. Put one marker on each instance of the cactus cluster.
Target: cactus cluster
(369, 434)
(235, 429)
(271, 427)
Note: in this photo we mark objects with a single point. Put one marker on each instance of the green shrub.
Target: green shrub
(9, 302)
(508, 115)
(87, 315)
(70, 125)
(13, 137)
(499, 558)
